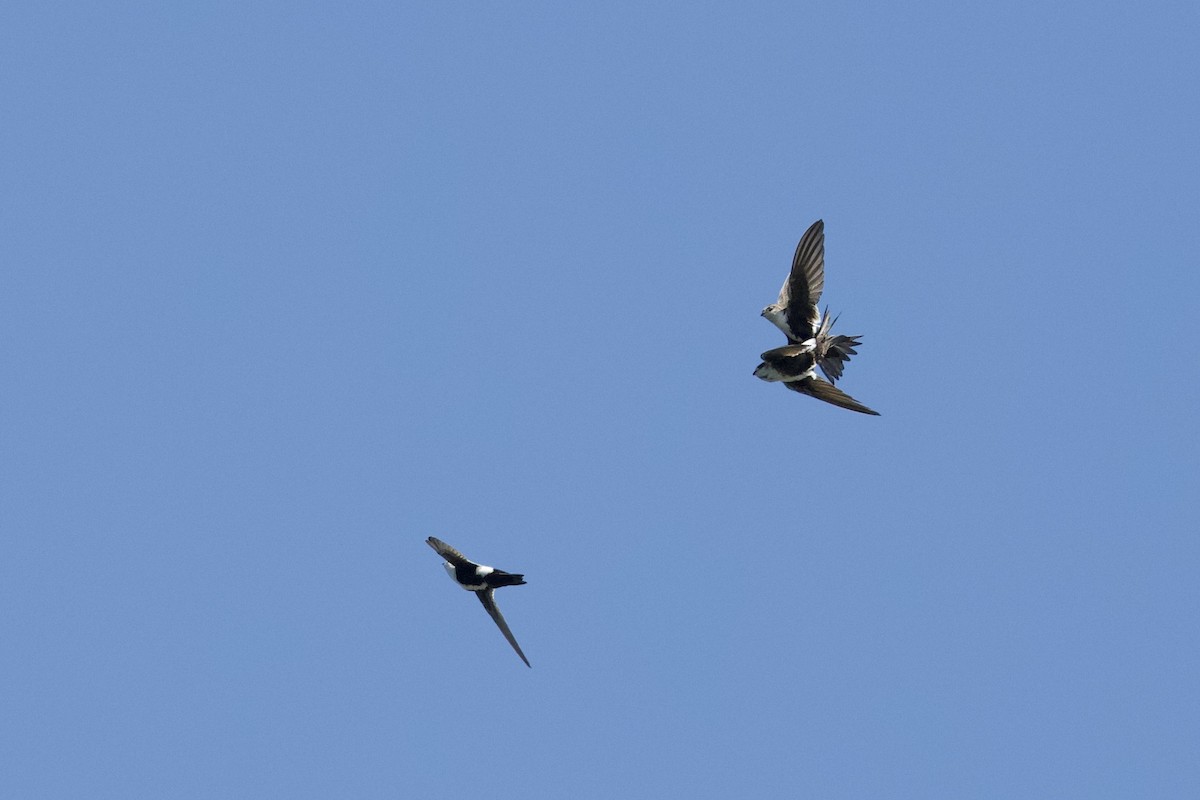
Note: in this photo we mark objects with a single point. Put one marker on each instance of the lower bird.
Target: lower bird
(795, 366)
(481, 580)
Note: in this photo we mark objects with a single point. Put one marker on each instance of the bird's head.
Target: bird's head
(446, 565)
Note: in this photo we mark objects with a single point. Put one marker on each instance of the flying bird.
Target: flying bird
(481, 580)
(811, 345)
(795, 367)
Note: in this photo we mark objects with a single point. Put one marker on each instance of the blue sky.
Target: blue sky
(287, 288)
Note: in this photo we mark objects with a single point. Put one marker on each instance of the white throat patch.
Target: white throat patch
(777, 317)
(769, 373)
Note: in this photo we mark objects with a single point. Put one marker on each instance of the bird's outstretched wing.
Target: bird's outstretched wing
(823, 390)
(802, 290)
(449, 553)
(488, 599)
(786, 352)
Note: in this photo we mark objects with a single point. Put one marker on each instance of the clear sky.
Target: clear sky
(286, 288)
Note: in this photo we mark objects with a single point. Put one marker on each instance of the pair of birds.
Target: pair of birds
(811, 343)
(811, 346)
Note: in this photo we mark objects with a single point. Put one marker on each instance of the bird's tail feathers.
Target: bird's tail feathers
(837, 351)
(499, 578)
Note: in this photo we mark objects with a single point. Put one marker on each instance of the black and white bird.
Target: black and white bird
(481, 580)
(811, 344)
(795, 368)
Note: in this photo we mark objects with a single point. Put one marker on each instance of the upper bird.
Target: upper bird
(811, 344)
(482, 581)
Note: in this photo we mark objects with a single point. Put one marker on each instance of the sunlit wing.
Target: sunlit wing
(449, 553)
(802, 290)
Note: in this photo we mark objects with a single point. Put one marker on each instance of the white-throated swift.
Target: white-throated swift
(481, 580)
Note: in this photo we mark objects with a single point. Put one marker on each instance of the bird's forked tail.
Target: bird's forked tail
(499, 578)
(838, 349)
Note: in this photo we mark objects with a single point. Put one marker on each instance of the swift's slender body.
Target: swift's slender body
(483, 581)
